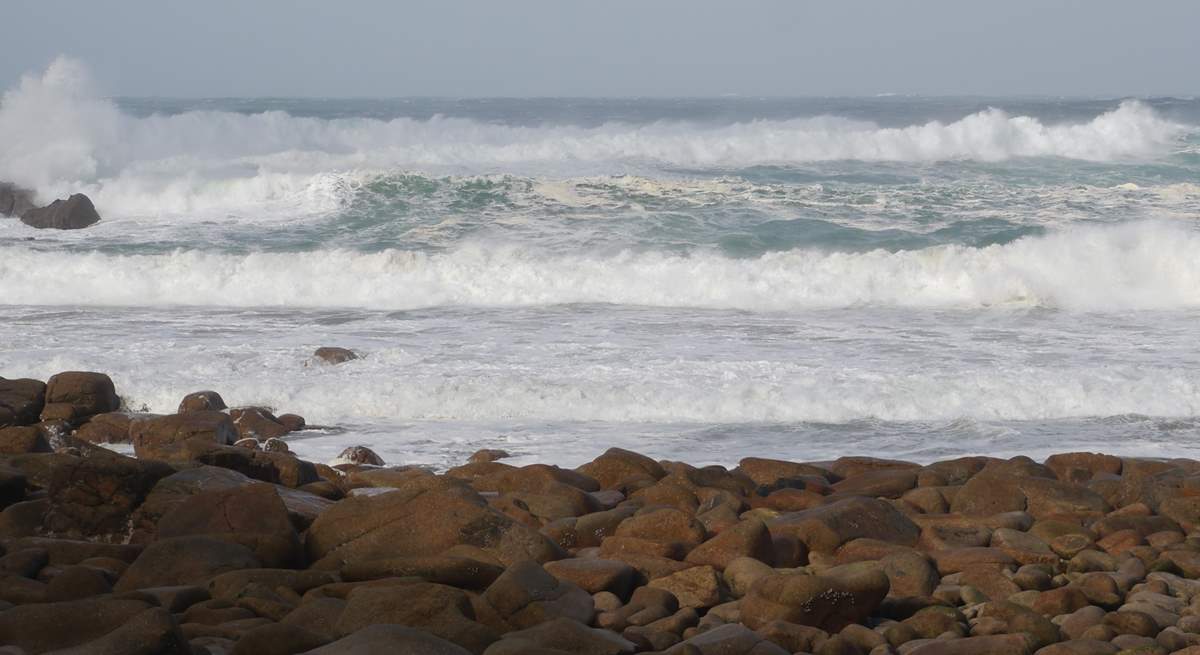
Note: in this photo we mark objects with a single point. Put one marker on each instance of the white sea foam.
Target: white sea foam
(60, 136)
(1141, 265)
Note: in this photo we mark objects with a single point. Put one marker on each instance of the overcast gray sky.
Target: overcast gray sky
(612, 47)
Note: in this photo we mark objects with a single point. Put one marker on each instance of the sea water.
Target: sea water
(696, 279)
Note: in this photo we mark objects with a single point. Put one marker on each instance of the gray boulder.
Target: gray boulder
(71, 214)
(14, 201)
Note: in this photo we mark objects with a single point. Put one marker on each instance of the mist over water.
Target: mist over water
(929, 276)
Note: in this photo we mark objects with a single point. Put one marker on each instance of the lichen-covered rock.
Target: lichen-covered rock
(829, 602)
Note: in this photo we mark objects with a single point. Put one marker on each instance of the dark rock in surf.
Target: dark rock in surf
(74, 213)
(334, 355)
(15, 201)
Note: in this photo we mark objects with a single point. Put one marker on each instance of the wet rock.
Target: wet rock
(334, 355)
(166, 437)
(426, 516)
(21, 401)
(14, 200)
(95, 498)
(38, 628)
(185, 561)
(359, 455)
(622, 469)
(74, 213)
(256, 423)
(251, 515)
(526, 595)
(201, 401)
(387, 638)
(23, 439)
(823, 529)
(826, 602)
(442, 611)
(84, 393)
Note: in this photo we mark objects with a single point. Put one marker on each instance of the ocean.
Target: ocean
(697, 279)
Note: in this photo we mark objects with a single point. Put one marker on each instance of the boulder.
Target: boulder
(14, 200)
(359, 455)
(185, 561)
(76, 212)
(21, 401)
(664, 525)
(595, 575)
(252, 515)
(86, 393)
(1014, 644)
(442, 611)
(461, 572)
(201, 401)
(334, 355)
(152, 632)
(823, 529)
(256, 423)
(829, 602)
(526, 595)
(95, 498)
(38, 628)
(278, 639)
(697, 587)
(19, 440)
(562, 635)
(618, 468)
(748, 538)
(166, 437)
(387, 638)
(110, 427)
(729, 639)
(427, 516)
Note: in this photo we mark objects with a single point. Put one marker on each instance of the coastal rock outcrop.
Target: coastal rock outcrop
(15, 201)
(74, 213)
(200, 546)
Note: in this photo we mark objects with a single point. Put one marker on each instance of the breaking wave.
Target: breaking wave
(60, 135)
(1142, 265)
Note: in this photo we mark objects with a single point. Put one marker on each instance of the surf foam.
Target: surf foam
(1143, 265)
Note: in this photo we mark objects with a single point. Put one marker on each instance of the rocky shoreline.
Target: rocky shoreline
(216, 539)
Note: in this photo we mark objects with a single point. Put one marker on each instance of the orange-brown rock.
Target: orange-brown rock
(823, 529)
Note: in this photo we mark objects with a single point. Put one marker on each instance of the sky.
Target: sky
(462, 48)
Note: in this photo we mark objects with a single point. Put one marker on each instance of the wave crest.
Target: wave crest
(1149, 265)
(59, 135)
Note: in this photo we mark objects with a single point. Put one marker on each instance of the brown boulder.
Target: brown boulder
(562, 636)
(152, 632)
(1014, 644)
(165, 437)
(881, 483)
(1082, 467)
(664, 525)
(772, 473)
(334, 355)
(251, 515)
(360, 455)
(442, 611)
(74, 213)
(697, 587)
(426, 516)
(22, 440)
(201, 401)
(828, 602)
(461, 572)
(185, 561)
(42, 627)
(749, 538)
(619, 469)
(388, 638)
(110, 427)
(86, 393)
(256, 423)
(823, 529)
(94, 498)
(595, 575)
(526, 595)
(21, 401)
